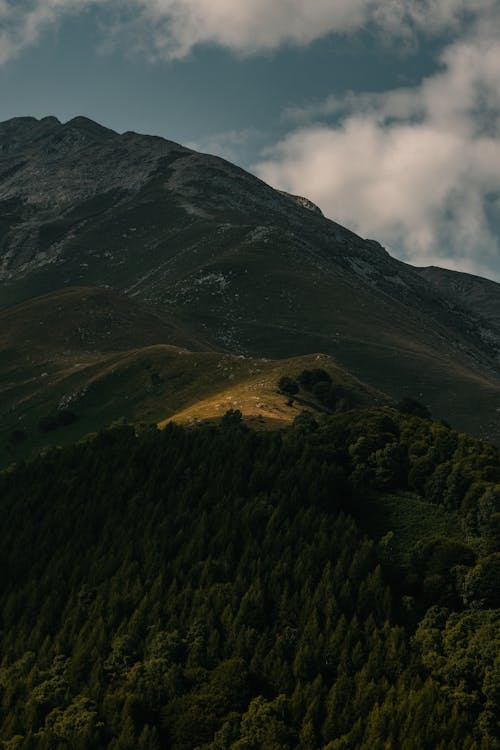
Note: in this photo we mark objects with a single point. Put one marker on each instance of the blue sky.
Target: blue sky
(386, 114)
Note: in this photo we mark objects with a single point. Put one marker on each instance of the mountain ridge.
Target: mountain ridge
(245, 268)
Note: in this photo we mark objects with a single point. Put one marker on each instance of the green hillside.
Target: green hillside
(222, 588)
(79, 360)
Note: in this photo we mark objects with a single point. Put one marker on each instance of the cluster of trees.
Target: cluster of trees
(319, 384)
(216, 588)
(453, 471)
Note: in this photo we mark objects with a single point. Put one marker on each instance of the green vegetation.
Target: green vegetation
(327, 581)
(317, 384)
(409, 405)
(309, 378)
(226, 589)
(288, 385)
(404, 519)
(103, 357)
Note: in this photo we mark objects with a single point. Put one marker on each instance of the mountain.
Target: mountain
(222, 584)
(476, 295)
(243, 268)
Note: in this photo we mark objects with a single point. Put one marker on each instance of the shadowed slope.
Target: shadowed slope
(242, 267)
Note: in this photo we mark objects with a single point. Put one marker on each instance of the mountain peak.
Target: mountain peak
(29, 123)
(50, 120)
(24, 129)
(86, 125)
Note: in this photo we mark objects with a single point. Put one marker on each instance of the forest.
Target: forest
(333, 585)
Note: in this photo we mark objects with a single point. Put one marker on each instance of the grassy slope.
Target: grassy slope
(250, 386)
(106, 357)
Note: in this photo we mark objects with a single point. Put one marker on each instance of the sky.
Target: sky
(385, 113)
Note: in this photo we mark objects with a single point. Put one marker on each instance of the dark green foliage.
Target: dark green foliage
(232, 418)
(319, 384)
(491, 534)
(212, 588)
(305, 422)
(309, 378)
(325, 393)
(411, 406)
(461, 652)
(482, 584)
(288, 386)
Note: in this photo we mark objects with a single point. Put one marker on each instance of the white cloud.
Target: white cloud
(171, 28)
(245, 26)
(22, 21)
(416, 168)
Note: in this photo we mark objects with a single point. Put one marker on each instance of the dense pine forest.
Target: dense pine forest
(332, 585)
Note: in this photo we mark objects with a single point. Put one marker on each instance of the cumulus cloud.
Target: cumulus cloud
(172, 28)
(22, 21)
(416, 168)
(245, 26)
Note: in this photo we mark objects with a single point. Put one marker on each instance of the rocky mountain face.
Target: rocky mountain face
(479, 297)
(248, 269)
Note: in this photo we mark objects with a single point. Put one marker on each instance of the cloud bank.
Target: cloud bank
(172, 28)
(416, 168)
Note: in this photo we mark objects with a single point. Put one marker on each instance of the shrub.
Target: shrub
(308, 378)
(305, 422)
(413, 408)
(288, 386)
(481, 584)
